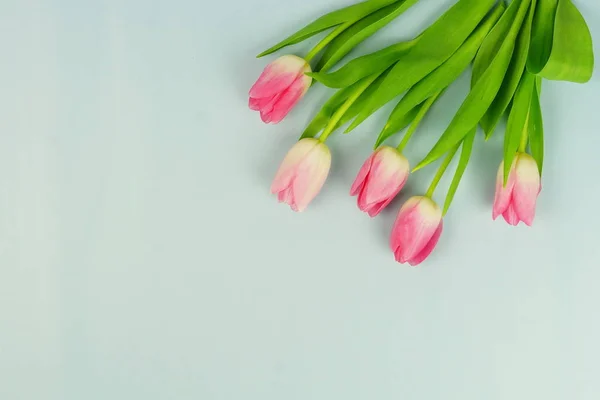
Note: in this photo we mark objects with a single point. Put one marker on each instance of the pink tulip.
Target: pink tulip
(302, 173)
(416, 231)
(380, 179)
(280, 86)
(516, 201)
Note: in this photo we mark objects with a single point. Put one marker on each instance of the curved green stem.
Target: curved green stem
(441, 171)
(326, 40)
(418, 118)
(335, 118)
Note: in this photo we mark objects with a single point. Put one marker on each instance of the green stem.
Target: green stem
(524, 136)
(418, 118)
(326, 40)
(441, 171)
(347, 104)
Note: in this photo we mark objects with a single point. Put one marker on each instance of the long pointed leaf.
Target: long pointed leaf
(399, 123)
(541, 35)
(465, 155)
(492, 43)
(481, 96)
(364, 66)
(443, 76)
(359, 32)
(436, 45)
(563, 48)
(348, 14)
(512, 78)
(536, 130)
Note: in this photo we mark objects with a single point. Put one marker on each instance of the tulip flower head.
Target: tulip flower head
(517, 200)
(380, 179)
(416, 231)
(279, 88)
(302, 173)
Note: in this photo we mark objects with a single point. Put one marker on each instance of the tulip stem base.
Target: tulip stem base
(440, 172)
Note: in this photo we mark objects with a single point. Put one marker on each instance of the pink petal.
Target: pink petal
(254, 104)
(259, 104)
(527, 188)
(503, 193)
(388, 174)
(267, 107)
(285, 196)
(407, 208)
(377, 195)
(359, 181)
(288, 169)
(278, 76)
(419, 258)
(311, 176)
(510, 216)
(374, 209)
(415, 225)
(287, 100)
(380, 179)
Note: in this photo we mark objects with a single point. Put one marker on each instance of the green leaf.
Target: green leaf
(399, 122)
(511, 81)
(348, 14)
(436, 45)
(360, 31)
(481, 96)
(404, 121)
(518, 120)
(541, 35)
(421, 110)
(536, 130)
(329, 108)
(441, 77)
(492, 43)
(562, 46)
(336, 102)
(364, 66)
(361, 101)
(465, 155)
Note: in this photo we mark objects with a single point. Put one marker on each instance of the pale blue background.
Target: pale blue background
(142, 256)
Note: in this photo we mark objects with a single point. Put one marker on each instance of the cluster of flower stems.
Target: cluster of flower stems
(511, 48)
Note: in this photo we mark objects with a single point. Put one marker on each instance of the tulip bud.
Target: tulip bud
(302, 173)
(517, 200)
(380, 179)
(280, 86)
(416, 231)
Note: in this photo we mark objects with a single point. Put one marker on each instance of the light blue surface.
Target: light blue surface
(142, 256)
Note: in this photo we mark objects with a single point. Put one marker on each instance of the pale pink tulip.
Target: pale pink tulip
(416, 231)
(516, 201)
(280, 86)
(380, 179)
(302, 173)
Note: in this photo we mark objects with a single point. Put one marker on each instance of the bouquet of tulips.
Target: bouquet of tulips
(512, 48)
